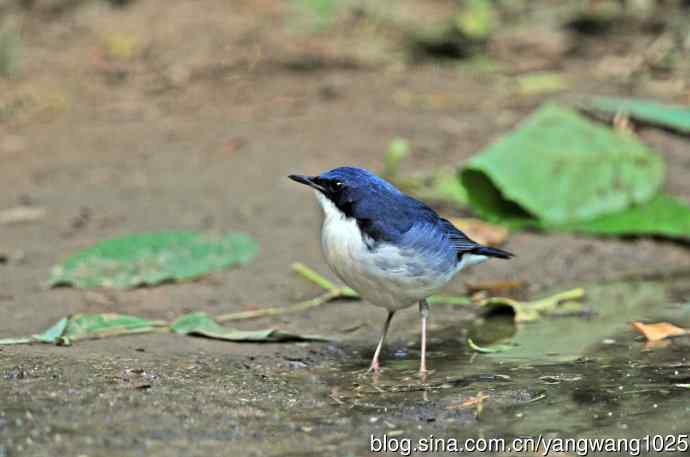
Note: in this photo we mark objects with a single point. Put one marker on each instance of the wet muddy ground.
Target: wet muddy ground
(212, 153)
(568, 377)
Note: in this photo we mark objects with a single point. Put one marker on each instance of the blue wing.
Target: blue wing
(410, 222)
(464, 244)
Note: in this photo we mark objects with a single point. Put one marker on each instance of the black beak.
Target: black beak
(308, 181)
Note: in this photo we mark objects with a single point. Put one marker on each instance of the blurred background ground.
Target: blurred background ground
(128, 116)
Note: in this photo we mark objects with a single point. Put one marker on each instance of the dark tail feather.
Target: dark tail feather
(493, 252)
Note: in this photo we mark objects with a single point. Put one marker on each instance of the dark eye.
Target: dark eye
(337, 185)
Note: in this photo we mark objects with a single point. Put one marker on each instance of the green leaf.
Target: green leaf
(85, 326)
(152, 258)
(53, 334)
(557, 168)
(663, 215)
(490, 349)
(675, 117)
(201, 324)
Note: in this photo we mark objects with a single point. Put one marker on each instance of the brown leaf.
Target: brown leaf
(659, 331)
(480, 231)
(471, 402)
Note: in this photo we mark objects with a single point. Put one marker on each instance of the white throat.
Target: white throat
(330, 211)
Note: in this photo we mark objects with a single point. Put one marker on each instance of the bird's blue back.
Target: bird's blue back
(387, 215)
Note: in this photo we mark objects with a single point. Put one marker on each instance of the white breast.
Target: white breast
(385, 276)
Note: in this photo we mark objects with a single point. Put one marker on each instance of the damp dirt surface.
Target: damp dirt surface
(198, 131)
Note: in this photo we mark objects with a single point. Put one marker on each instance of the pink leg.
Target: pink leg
(375, 366)
(424, 314)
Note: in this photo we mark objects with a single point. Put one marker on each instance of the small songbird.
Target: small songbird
(392, 249)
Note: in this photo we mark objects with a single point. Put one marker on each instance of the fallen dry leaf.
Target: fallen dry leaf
(480, 231)
(659, 331)
(471, 402)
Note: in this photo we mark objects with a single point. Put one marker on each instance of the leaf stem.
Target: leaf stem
(118, 332)
(276, 311)
(14, 341)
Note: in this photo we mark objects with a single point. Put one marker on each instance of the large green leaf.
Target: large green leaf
(558, 168)
(663, 215)
(201, 324)
(675, 117)
(152, 258)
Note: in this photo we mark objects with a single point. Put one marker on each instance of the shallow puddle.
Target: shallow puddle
(569, 377)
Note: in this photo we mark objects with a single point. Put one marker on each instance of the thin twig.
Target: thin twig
(301, 306)
(312, 276)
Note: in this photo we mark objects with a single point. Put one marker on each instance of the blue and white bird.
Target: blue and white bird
(392, 249)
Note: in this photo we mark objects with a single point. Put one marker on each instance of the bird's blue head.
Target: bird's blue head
(346, 187)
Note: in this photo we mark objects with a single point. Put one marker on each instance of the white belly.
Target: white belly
(386, 275)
